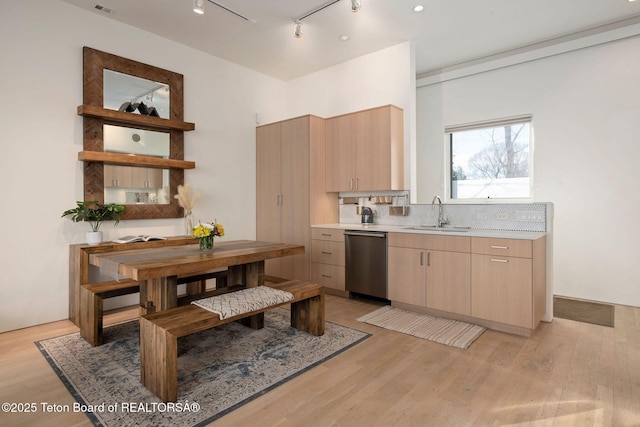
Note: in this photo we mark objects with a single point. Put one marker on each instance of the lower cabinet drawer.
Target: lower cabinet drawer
(331, 276)
(501, 247)
(327, 234)
(327, 252)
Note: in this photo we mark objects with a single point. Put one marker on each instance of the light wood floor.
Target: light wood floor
(567, 373)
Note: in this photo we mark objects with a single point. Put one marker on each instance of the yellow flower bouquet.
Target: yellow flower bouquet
(206, 232)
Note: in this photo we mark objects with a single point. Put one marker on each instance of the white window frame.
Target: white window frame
(448, 130)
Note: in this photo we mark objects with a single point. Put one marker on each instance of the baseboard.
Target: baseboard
(594, 312)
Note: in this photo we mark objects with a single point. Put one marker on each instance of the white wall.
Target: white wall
(41, 49)
(586, 110)
(381, 78)
(41, 86)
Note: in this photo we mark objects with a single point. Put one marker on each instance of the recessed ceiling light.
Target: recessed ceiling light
(344, 37)
(198, 7)
(418, 8)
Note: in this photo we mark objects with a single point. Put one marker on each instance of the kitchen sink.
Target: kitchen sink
(445, 229)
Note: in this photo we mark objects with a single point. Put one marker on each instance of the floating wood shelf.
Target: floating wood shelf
(134, 160)
(124, 118)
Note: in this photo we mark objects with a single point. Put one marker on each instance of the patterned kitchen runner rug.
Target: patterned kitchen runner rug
(219, 370)
(444, 331)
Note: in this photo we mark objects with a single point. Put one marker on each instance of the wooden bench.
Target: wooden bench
(159, 332)
(92, 296)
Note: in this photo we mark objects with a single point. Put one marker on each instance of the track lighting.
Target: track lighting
(198, 6)
(355, 6)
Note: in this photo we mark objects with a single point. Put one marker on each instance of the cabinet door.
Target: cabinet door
(154, 178)
(373, 155)
(294, 190)
(449, 281)
(406, 275)
(146, 177)
(118, 176)
(341, 154)
(501, 289)
(268, 190)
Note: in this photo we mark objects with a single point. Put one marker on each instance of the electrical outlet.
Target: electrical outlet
(503, 216)
(531, 216)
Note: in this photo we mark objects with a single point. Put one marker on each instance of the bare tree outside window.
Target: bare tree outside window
(491, 162)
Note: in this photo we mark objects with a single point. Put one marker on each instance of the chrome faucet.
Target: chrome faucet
(441, 220)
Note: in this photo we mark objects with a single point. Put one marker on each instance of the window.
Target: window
(490, 160)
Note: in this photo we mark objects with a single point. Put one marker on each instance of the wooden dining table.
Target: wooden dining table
(157, 269)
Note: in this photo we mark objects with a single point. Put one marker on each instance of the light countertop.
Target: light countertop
(522, 235)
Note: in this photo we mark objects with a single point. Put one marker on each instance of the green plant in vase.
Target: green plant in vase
(95, 214)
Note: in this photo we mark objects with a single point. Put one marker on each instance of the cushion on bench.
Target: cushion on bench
(244, 301)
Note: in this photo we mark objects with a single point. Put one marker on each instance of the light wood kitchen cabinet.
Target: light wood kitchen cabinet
(365, 150)
(341, 153)
(327, 258)
(407, 276)
(499, 283)
(449, 281)
(508, 283)
(146, 177)
(117, 176)
(430, 271)
(132, 177)
(290, 167)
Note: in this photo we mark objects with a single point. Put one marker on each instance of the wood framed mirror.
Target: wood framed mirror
(99, 115)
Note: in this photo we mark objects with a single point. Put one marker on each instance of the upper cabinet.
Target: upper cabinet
(365, 150)
(132, 177)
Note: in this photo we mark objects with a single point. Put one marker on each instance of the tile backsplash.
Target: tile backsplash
(532, 217)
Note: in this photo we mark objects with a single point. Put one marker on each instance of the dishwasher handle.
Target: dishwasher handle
(365, 234)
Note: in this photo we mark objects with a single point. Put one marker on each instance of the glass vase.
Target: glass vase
(188, 224)
(206, 243)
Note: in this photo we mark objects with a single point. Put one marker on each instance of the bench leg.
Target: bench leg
(90, 317)
(158, 361)
(308, 315)
(255, 322)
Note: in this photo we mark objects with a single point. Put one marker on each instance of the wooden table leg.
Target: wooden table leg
(236, 275)
(158, 294)
(252, 275)
(197, 287)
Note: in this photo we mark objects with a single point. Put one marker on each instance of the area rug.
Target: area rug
(219, 369)
(444, 331)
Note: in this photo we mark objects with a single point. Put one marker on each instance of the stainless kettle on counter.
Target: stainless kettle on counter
(367, 215)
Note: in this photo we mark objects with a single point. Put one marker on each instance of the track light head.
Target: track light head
(297, 29)
(355, 5)
(198, 7)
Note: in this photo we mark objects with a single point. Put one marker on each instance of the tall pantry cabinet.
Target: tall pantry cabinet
(290, 180)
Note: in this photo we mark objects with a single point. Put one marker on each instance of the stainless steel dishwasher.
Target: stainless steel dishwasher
(366, 263)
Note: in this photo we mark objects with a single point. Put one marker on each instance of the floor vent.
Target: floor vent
(597, 313)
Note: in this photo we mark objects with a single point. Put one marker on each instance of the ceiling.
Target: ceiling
(445, 34)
